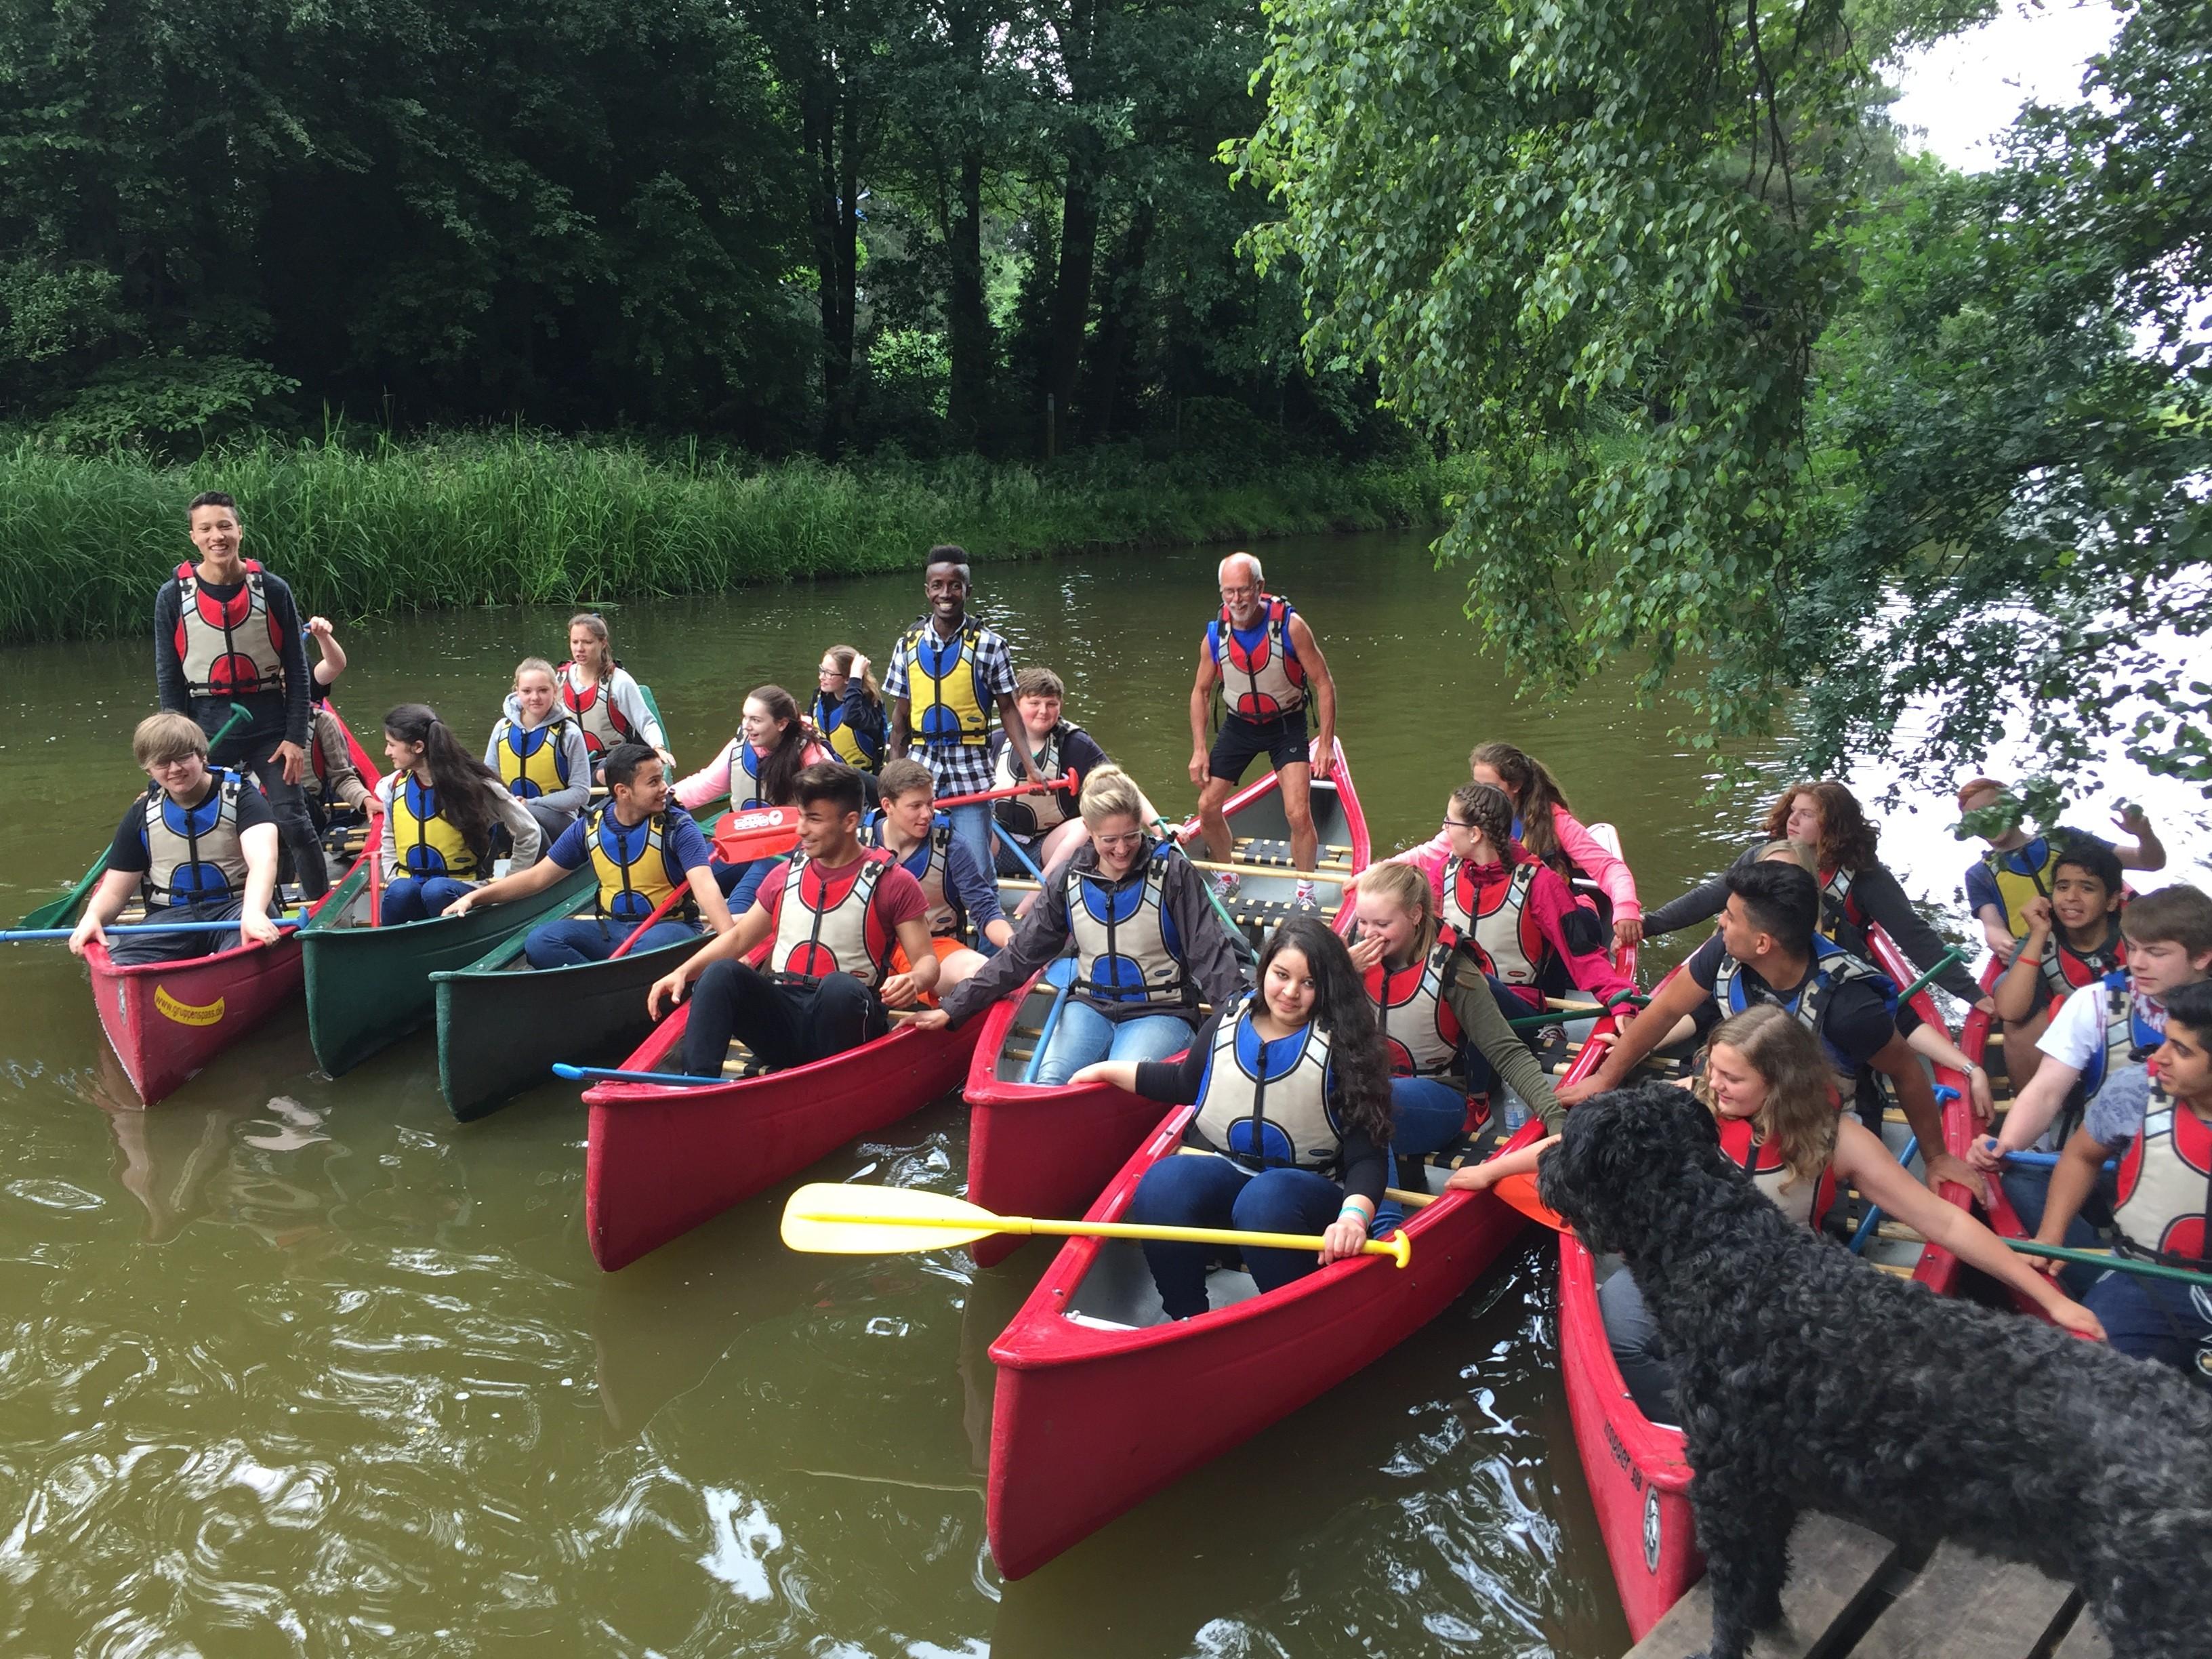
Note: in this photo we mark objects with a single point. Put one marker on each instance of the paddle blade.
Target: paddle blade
(1520, 1192)
(762, 832)
(834, 1219)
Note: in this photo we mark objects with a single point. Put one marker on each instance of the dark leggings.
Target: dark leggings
(785, 1024)
(1633, 1336)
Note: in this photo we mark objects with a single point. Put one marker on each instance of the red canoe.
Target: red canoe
(663, 1159)
(1039, 1151)
(1637, 1471)
(166, 1020)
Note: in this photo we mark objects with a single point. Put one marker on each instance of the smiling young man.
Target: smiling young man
(834, 911)
(226, 631)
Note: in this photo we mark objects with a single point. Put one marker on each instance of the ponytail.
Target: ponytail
(597, 625)
(464, 785)
(1535, 792)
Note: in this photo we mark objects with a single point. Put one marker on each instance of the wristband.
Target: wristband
(1353, 1209)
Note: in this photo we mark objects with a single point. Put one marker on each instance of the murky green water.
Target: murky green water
(296, 1366)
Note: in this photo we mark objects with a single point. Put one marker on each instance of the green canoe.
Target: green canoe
(369, 986)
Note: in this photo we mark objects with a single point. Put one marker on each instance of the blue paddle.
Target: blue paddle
(1015, 847)
(603, 1074)
(1060, 973)
(23, 935)
(2045, 1160)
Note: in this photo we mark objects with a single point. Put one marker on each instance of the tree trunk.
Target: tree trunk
(1118, 296)
(967, 321)
(1071, 296)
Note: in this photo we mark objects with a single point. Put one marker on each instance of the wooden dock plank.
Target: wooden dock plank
(1965, 1606)
(1834, 1567)
(2084, 1641)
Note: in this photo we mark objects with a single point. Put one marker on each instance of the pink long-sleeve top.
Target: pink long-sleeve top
(1589, 855)
(712, 782)
(1550, 898)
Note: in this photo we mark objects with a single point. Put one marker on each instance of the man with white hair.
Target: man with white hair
(1269, 668)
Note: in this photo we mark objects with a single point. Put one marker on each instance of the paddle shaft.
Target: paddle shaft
(1044, 1036)
(1032, 1226)
(1015, 847)
(1921, 984)
(24, 935)
(1328, 873)
(660, 912)
(981, 795)
(2124, 1263)
(1238, 939)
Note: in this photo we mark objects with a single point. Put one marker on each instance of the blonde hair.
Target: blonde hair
(1111, 792)
(167, 737)
(1804, 855)
(1799, 1117)
(596, 625)
(1405, 887)
(534, 666)
(844, 656)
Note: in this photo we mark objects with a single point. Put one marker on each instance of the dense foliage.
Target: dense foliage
(1753, 407)
(783, 224)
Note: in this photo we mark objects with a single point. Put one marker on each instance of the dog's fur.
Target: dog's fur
(1809, 1381)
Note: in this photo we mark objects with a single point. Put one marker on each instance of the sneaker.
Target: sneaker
(1225, 885)
(1303, 897)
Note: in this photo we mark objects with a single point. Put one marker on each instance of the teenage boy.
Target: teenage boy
(920, 838)
(2161, 1123)
(834, 911)
(2096, 1032)
(642, 854)
(200, 844)
(946, 676)
(2073, 939)
(226, 631)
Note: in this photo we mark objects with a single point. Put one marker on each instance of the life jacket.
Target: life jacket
(596, 715)
(945, 688)
(825, 927)
(423, 840)
(533, 760)
(1495, 918)
(227, 647)
(1126, 945)
(2066, 971)
(318, 763)
(844, 741)
(745, 777)
(946, 919)
(2165, 1186)
(1841, 920)
(1420, 1029)
(1803, 1201)
(1275, 1120)
(1832, 966)
(194, 854)
(1261, 678)
(1034, 815)
(2128, 1038)
(2022, 874)
(634, 864)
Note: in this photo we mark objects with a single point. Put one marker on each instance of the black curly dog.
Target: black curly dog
(1809, 1380)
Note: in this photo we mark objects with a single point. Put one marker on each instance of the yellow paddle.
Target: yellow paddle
(833, 1218)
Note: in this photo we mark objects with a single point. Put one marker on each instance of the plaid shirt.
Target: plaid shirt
(960, 768)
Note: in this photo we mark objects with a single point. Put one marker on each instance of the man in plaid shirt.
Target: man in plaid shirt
(953, 671)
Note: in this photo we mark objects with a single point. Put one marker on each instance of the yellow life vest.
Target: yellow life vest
(837, 731)
(194, 854)
(533, 760)
(945, 692)
(423, 840)
(2022, 874)
(632, 865)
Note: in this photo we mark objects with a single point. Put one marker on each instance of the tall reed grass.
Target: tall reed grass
(522, 519)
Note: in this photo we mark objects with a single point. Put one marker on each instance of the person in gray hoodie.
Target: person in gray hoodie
(539, 751)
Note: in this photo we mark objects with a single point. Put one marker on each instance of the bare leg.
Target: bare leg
(957, 965)
(1061, 841)
(1213, 828)
(1296, 783)
(2022, 1056)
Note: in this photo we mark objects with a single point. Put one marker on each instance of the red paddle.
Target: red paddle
(659, 911)
(1068, 782)
(759, 832)
(1520, 1192)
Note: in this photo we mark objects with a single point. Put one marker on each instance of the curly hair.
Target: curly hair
(1360, 1062)
(1847, 840)
(1799, 1117)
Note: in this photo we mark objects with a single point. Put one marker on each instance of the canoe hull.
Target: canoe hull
(1637, 1472)
(500, 1030)
(1089, 1422)
(1037, 1151)
(369, 986)
(166, 1020)
(662, 1160)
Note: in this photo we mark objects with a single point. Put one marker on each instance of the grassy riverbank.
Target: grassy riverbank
(517, 519)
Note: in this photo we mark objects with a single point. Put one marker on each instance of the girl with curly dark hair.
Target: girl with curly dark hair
(1293, 1098)
(1856, 888)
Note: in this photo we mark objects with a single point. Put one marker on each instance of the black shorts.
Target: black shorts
(1282, 739)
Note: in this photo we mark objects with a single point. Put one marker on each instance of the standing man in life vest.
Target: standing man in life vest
(947, 675)
(226, 631)
(1269, 667)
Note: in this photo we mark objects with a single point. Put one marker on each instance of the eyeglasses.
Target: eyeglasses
(1132, 840)
(1457, 824)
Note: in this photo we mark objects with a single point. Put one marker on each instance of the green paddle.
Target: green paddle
(56, 912)
(2095, 1259)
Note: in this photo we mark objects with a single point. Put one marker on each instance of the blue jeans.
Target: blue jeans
(592, 938)
(2026, 1189)
(413, 898)
(1084, 1035)
(2155, 1319)
(1426, 1115)
(128, 949)
(1212, 1192)
(971, 828)
(740, 883)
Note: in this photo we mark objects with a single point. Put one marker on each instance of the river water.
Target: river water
(296, 1366)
